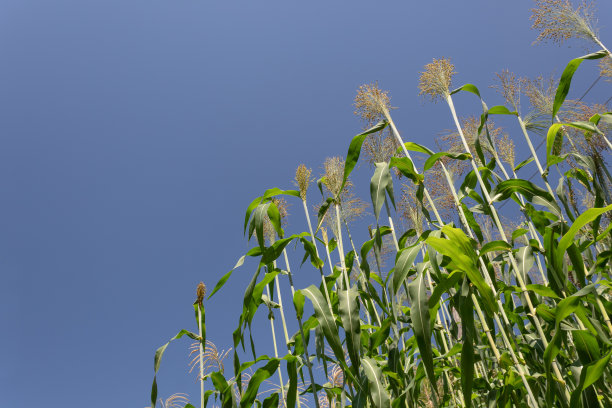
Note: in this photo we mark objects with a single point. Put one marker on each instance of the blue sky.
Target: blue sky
(135, 133)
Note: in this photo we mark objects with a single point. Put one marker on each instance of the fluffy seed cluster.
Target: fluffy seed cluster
(558, 21)
(509, 86)
(371, 103)
(303, 179)
(435, 81)
(605, 68)
(380, 147)
(334, 174)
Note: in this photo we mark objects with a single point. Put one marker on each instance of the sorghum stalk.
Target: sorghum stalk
(502, 234)
(301, 326)
(201, 292)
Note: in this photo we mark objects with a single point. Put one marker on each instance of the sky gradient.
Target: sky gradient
(135, 133)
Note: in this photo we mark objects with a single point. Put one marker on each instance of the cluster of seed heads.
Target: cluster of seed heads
(605, 68)
(435, 81)
(371, 103)
(509, 87)
(558, 21)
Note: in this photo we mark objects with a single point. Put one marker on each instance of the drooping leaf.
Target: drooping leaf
(419, 315)
(326, 320)
(407, 168)
(262, 374)
(378, 392)
(404, 261)
(582, 220)
(566, 79)
(348, 307)
(379, 184)
(354, 150)
(158, 357)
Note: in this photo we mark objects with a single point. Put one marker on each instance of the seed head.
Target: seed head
(302, 179)
(435, 81)
(558, 21)
(505, 149)
(380, 147)
(201, 293)
(509, 86)
(371, 103)
(334, 174)
(541, 93)
(605, 68)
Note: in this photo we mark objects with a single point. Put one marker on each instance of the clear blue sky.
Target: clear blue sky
(133, 134)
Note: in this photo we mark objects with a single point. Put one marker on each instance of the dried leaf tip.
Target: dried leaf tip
(435, 81)
(201, 293)
(558, 21)
(371, 103)
(303, 180)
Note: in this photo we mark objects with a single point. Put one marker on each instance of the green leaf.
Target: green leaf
(583, 219)
(379, 184)
(566, 79)
(589, 374)
(525, 260)
(495, 246)
(407, 168)
(460, 249)
(158, 357)
(468, 88)
(415, 147)
(443, 286)
(293, 383)
(262, 374)
(404, 261)
(555, 131)
(523, 163)
(322, 211)
(225, 277)
(419, 315)
(271, 401)
(542, 290)
(298, 301)
(433, 159)
(466, 311)
(529, 190)
(374, 374)
(586, 346)
(267, 195)
(348, 307)
(352, 156)
(326, 320)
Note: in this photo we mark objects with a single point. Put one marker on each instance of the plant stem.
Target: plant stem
(201, 351)
(502, 234)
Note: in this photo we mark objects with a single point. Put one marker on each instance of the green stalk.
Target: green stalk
(338, 232)
(301, 326)
(502, 234)
(533, 401)
(201, 352)
(271, 318)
